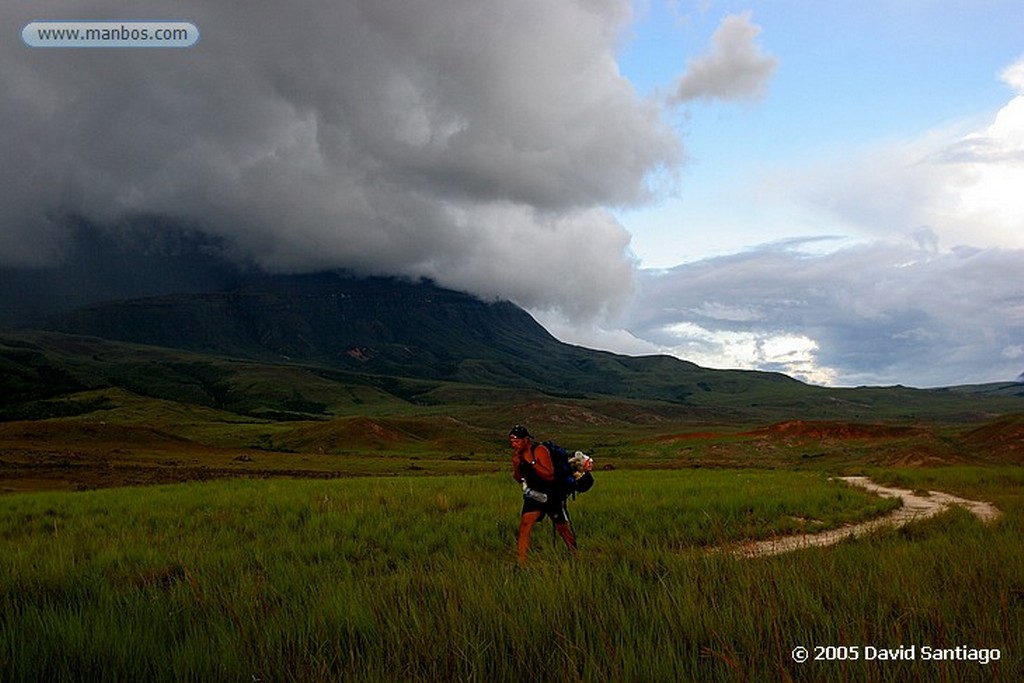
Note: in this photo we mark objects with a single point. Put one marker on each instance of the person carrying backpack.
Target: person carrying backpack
(533, 468)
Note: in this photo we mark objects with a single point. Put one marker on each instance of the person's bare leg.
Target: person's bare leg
(565, 531)
(525, 527)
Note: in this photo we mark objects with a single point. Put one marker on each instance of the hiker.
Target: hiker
(533, 469)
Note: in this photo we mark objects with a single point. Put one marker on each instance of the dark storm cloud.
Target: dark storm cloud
(453, 139)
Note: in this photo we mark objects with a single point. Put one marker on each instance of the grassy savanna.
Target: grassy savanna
(413, 578)
(389, 553)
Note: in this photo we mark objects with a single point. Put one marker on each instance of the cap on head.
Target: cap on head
(519, 432)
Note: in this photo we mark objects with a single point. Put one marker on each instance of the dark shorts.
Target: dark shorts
(555, 509)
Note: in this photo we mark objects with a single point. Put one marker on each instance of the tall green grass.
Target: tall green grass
(403, 579)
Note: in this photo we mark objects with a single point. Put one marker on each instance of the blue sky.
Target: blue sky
(849, 76)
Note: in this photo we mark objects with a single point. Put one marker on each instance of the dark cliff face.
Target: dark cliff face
(377, 324)
(387, 326)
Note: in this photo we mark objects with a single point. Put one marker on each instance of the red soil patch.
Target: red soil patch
(1004, 437)
(689, 436)
(835, 430)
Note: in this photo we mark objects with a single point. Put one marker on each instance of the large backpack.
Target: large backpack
(566, 481)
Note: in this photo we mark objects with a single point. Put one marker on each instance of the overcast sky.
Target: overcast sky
(832, 190)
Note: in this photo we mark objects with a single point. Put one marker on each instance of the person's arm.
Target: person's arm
(516, 472)
(543, 466)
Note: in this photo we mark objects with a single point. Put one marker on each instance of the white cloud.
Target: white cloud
(594, 336)
(1013, 76)
(724, 311)
(962, 188)
(735, 69)
(792, 354)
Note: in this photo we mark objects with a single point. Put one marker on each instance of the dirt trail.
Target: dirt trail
(915, 507)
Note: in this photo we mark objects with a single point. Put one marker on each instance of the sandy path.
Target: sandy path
(914, 507)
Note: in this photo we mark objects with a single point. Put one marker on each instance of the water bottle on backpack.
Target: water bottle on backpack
(532, 494)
